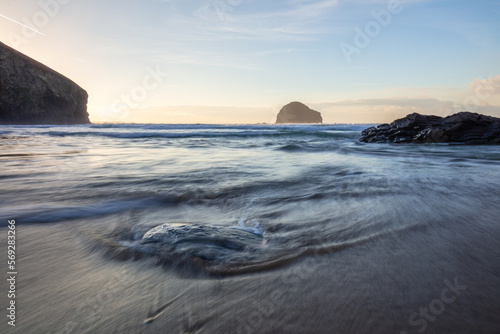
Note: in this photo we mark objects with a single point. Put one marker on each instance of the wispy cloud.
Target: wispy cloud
(205, 114)
(385, 2)
(214, 61)
(294, 21)
(387, 109)
(278, 51)
(423, 102)
(487, 86)
(306, 11)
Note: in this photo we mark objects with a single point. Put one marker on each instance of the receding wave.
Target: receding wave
(332, 145)
(143, 194)
(224, 134)
(51, 214)
(219, 251)
(132, 131)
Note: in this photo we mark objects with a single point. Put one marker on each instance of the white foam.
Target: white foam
(256, 228)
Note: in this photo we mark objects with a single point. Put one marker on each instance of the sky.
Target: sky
(240, 61)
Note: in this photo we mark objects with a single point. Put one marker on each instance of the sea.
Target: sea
(222, 202)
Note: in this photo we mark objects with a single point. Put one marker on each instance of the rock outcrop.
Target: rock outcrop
(32, 93)
(208, 242)
(296, 112)
(463, 127)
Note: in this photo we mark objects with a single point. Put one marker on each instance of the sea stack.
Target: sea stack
(296, 112)
(463, 127)
(32, 93)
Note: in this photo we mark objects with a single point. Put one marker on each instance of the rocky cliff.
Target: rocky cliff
(463, 127)
(32, 93)
(296, 112)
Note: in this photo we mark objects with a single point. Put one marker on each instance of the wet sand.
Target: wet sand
(434, 279)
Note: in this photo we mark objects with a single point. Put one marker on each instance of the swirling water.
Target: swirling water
(290, 190)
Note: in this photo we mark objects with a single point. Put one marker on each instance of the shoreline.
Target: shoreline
(374, 287)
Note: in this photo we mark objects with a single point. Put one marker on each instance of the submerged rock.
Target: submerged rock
(296, 112)
(32, 93)
(207, 242)
(463, 127)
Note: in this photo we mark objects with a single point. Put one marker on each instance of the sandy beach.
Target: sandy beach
(63, 287)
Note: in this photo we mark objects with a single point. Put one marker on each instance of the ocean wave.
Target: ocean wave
(210, 134)
(313, 146)
(217, 250)
(273, 127)
(36, 214)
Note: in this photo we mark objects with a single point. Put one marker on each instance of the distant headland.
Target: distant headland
(296, 112)
(32, 93)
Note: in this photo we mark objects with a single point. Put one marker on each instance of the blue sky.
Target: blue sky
(239, 61)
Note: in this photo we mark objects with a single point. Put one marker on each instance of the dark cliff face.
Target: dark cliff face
(32, 93)
(463, 127)
(296, 112)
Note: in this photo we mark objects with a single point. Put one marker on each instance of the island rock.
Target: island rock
(463, 127)
(32, 93)
(296, 112)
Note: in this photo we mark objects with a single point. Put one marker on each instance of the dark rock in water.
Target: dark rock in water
(32, 93)
(207, 242)
(296, 112)
(463, 127)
